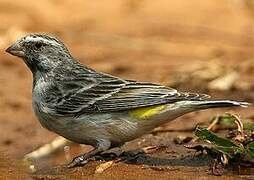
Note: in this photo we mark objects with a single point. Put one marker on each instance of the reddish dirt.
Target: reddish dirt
(141, 40)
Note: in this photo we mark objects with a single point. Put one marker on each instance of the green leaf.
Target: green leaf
(226, 146)
(248, 126)
(227, 121)
(250, 148)
(205, 134)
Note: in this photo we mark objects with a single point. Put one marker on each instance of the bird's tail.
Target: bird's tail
(214, 104)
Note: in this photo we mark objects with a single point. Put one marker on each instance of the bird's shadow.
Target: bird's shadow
(141, 158)
(137, 157)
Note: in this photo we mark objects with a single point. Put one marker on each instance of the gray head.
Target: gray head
(41, 52)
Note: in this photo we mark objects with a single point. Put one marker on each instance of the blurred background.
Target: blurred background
(195, 45)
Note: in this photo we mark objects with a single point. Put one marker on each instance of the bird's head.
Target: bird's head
(40, 52)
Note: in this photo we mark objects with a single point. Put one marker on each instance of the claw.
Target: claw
(78, 161)
(83, 159)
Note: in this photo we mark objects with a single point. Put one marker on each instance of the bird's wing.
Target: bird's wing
(139, 94)
(113, 94)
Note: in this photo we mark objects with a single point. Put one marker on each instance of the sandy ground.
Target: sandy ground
(142, 40)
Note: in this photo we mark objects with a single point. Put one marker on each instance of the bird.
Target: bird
(95, 108)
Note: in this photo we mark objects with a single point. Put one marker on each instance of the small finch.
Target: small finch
(94, 108)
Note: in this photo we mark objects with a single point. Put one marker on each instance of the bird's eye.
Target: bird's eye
(38, 45)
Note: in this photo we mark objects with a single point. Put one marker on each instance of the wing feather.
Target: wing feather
(86, 93)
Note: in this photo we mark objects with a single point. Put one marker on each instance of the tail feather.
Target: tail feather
(215, 104)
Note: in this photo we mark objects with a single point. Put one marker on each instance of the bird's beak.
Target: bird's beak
(16, 50)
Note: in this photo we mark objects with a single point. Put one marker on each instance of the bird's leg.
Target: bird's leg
(102, 145)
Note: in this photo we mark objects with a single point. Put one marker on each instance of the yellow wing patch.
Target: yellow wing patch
(146, 112)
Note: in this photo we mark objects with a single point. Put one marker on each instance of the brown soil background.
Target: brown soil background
(141, 40)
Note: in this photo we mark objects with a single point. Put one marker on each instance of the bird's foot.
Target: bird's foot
(83, 159)
(80, 160)
(130, 156)
(106, 156)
